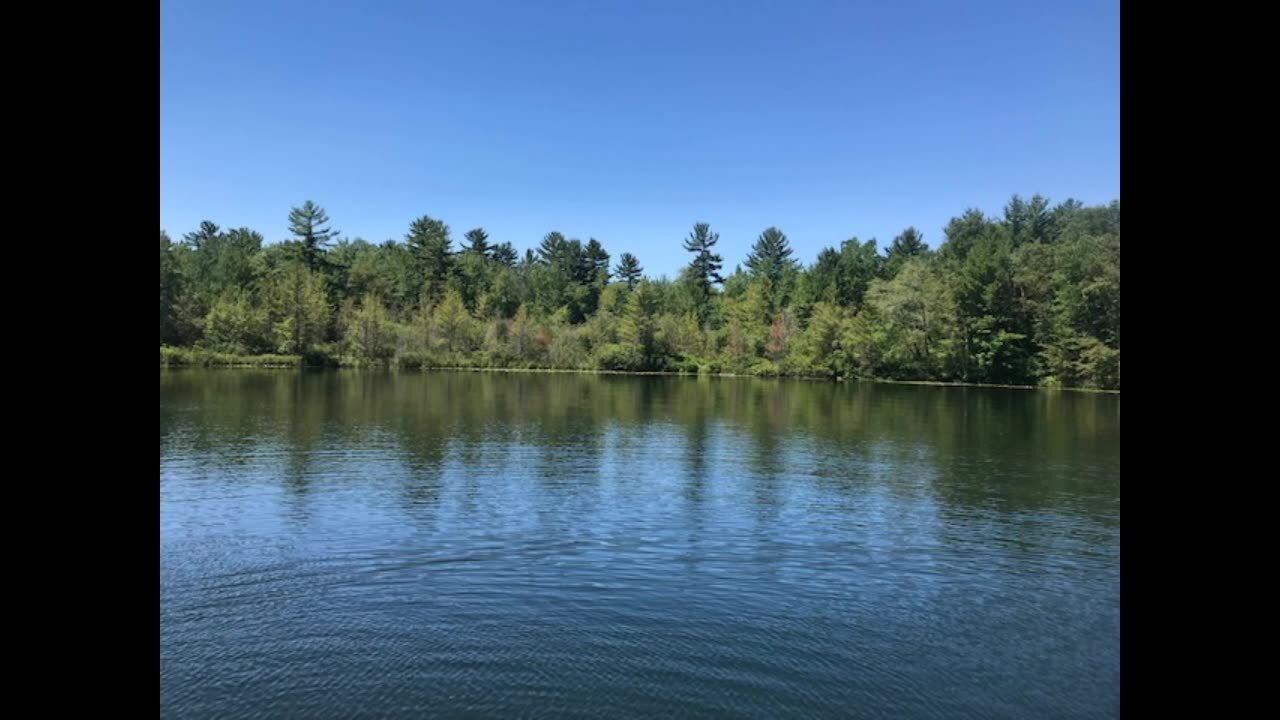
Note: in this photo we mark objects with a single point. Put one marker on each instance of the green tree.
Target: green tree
(431, 248)
(1030, 297)
(905, 247)
(236, 324)
(223, 260)
(770, 263)
(628, 270)
(595, 273)
(505, 254)
(170, 290)
(207, 233)
(198, 263)
(474, 268)
(640, 327)
(747, 321)
(470, 278)
(859, 265)
(309, 224)
(982, 285)
(297, 308)
(597, 262)
(368, 331)
(962, 232)
(456, 328)
(211, 263)
(704, 270)
(913, 311)
(821, 345)
(1081, 345)
(562, 277)
(478, 242)
(520, 335)
(504, 295)
(1028, 221)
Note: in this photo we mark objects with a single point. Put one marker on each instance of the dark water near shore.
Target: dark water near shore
(340, 544)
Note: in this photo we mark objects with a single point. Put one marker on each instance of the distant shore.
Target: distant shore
(179, 358)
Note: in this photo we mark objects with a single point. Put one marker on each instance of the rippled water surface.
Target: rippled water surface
(338, 545)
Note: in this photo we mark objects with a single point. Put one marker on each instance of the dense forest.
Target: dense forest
(1030, 298)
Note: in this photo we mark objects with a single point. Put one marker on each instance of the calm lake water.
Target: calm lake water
(340, 544)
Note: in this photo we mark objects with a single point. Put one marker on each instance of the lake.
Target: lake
(338, 544)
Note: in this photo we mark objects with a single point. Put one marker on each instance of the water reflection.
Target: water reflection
(743, 547)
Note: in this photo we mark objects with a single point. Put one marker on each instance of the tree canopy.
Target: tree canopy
(1029, 297)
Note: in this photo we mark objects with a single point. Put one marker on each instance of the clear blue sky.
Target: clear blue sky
(629, 121)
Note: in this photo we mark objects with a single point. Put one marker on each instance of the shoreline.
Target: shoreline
(298, 365)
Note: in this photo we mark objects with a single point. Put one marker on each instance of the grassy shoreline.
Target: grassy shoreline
(188, 357)
(175, 358)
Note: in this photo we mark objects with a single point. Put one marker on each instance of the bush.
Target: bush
(320, 357)
(415, 361)
(183, 357)
(613, 356)
(684, 365)
(766, 368)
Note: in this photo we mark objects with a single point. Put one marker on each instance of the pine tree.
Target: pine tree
(309, 224)
(628, 270)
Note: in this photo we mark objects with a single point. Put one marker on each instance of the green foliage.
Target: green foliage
(368, 332)
(237, 325)
(703, 272)
(619, 357)
(782, 331)
(1028, 221)
(1029, 297)
(415, 361)
(770, 265)
(521, 336)
(628, 270)
(504, 254)
(765, 368)
(471, 277)
(821, 348)
(171, 289)
(477, 242)
(914, 314)
(683, 365)
(456, 329)
(188, 357)
(309, 224)
(859, 265)
(639, 329)
(430, 248)
(906, 247)
(505, 294)
(567, 275)
(297, 308)
(840, 277)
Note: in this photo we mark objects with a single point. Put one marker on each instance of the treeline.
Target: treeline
(1032, 297)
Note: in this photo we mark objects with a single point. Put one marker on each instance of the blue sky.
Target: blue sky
(630, 121)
